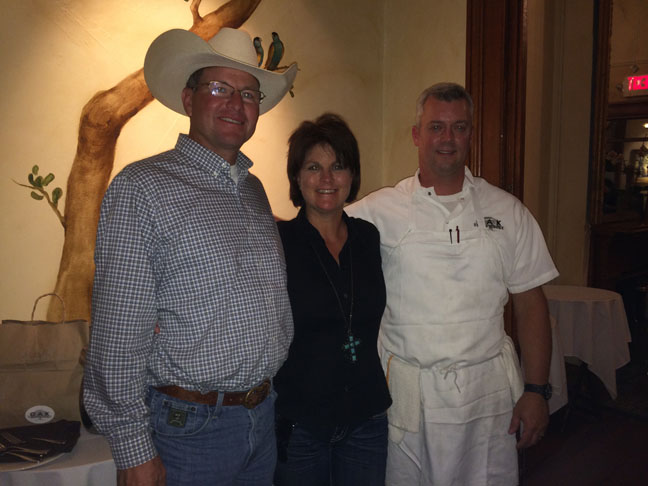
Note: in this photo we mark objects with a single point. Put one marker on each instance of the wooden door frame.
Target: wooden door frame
(600, 86)
(496, 46)
(496, 79)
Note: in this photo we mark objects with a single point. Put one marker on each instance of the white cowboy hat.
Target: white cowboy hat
(177, 54)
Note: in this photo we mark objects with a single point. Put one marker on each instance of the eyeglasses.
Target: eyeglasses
(221, 89)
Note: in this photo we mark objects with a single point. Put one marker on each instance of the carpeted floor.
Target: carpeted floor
(596, 441)
(632, 387)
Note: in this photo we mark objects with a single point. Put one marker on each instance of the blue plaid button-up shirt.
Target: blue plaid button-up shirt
(182, 245)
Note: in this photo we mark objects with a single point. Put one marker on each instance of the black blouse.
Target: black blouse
(319, 384)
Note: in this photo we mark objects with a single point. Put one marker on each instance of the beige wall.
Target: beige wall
(425, 43)
(364, 59)
(538, 109)
(557, 129)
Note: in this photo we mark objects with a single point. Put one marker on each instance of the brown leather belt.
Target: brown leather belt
(248, 398)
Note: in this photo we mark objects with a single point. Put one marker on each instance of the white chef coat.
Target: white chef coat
(453, 372)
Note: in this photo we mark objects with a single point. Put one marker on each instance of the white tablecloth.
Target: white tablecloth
(89, 464)
(557, 375)
(593, 327)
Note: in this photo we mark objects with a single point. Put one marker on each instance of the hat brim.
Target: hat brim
(177, 54)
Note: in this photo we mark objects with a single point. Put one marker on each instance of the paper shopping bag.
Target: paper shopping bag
(40, 373)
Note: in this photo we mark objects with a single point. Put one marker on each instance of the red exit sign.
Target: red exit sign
(636, 86)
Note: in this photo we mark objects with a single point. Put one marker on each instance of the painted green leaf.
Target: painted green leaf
(56, 195)
(30, 177)
(36, 196)
(35, 170)
(48, 179)
(39, 181)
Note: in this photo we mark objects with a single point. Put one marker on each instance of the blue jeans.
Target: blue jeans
(213, 445)
(353, 456)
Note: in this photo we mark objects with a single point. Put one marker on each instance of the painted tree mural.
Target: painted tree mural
(102, 119)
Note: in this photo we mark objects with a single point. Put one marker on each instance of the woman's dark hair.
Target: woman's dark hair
(327, 129)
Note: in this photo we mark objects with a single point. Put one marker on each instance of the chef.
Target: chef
(453, 249)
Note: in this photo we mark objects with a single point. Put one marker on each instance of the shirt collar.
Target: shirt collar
(309, 231)
(468, 182)
(209, 160)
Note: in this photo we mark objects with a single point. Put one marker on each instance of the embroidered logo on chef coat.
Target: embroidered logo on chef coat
(492, 223)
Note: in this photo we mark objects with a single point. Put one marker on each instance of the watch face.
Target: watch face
(547, 391)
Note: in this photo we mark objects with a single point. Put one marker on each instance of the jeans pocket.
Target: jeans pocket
(173, 417)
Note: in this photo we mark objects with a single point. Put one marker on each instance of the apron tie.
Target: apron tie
(451, 369)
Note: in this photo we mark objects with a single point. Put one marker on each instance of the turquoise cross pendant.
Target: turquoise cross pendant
(350, 347)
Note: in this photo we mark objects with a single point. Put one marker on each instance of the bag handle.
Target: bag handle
(45, 295)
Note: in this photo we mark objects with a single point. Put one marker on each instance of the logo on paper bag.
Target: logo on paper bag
(39, 414)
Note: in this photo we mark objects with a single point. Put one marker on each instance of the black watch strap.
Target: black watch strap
(544, 390)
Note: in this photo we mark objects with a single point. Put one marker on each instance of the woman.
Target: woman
(332, 393)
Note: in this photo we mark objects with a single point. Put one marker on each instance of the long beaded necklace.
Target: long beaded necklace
(351, 342)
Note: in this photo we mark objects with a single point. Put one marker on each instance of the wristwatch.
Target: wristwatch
(544, 390)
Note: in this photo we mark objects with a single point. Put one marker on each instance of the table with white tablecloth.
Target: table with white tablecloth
(557, 374)
(593, 327)
(88, 464)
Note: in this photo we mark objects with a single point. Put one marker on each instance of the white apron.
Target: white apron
(452, 371)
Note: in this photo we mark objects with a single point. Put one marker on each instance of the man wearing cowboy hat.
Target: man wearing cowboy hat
(190, 315)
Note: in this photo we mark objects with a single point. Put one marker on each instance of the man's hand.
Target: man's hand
(532, 412)
(151, 473)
